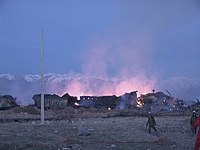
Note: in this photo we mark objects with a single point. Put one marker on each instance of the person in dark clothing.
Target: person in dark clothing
(192, 122)
(151, 123)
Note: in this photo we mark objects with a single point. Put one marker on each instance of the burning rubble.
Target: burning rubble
(155, 102)
(159, 102)
(127, 100)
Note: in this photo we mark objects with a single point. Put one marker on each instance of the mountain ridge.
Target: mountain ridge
(25, 86)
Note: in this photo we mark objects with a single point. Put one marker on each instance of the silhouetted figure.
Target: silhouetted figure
(192, 122)
(151, 123)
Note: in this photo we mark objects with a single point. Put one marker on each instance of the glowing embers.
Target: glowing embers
(77, 104)
(80, 96)
(139, 103)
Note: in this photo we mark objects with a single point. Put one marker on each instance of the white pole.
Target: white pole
(42, 78)
(1, 52)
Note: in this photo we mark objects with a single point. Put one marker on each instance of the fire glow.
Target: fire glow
(84, 87)
(139, 103)
(77, 104)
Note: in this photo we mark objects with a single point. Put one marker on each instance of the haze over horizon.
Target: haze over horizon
(147, 44)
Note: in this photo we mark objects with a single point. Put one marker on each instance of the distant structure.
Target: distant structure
(127, 100)
(53, 101)
(7, 102)
(98, 101)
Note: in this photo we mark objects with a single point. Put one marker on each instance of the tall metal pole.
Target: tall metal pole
(42, 78)
(1, 50)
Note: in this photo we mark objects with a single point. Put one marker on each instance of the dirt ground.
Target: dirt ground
(92, 132)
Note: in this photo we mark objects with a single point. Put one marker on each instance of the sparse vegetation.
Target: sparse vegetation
(91, 129)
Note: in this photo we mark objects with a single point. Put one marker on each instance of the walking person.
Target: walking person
(192, 121)
(151, 123)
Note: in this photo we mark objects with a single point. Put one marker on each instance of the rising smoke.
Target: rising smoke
(127, 60)
(150, 48)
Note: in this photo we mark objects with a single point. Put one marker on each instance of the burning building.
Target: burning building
(155, 102)
(127, 100)
(109, 102)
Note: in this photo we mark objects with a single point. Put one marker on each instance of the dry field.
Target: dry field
(90, 130)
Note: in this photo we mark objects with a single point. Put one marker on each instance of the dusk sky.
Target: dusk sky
(156, 39)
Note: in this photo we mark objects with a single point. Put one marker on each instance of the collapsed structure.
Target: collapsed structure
(54, 101)
(128, 100)
(7, 102)
(156, 102)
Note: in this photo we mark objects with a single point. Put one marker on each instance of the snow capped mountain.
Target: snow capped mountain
(24, 87)
(31, 78)
(7, 76)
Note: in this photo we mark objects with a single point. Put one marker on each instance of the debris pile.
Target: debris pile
(72, 100)
(195, 106)
(155, 102)
(128, 100)
(51, 101)
(54, 101)
(7, 102)
(159, 102)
